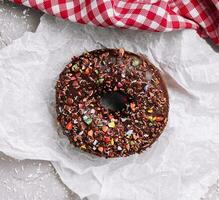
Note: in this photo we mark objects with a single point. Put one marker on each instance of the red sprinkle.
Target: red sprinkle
(119, 84)
(107, 139)
(73, 78)
(81, 105)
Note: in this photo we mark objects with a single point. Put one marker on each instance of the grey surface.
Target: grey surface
(28, 179)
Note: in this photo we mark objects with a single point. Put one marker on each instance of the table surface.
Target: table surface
(28, 179)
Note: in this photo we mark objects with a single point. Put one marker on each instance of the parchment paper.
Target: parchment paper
(179, 166)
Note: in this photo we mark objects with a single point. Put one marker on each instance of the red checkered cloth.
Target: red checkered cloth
(150, 15)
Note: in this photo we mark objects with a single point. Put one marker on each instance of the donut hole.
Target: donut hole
(115, 101)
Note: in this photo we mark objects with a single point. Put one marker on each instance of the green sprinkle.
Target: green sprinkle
(100, 80)
(135, 62)
(150, 124)
(87, 119)
(74, 67)
(96, 71)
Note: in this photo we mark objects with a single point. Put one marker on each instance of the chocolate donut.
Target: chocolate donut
(111, 102)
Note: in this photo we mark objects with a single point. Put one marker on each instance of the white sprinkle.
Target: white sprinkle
(146, 88)
(81, 133)
(92, 111)
(95, 142)
(123, 119)
(129, 132)
(146, 135)
(119, 148)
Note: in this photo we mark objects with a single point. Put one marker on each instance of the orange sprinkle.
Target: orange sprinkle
(132, 106)
(121, 51)
(100, 149)
(90, 133)
(159, 119)
(69, 126)
(88, 71)
(104, 129)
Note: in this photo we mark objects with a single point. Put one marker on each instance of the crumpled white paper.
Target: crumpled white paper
(179, 166)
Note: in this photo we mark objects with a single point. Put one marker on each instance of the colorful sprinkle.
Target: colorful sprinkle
(90, 133)
(100, 80)
(111, 117)
(123, 119)
(69, 126)
(88, 71)
(150, 110)
(112, 141)
(100, 149)
(129, 132)
(80, 105)
(132, 106)
(92, 111)
(146, 87)
(81, 133)
(121, 51)
(107, 139)
(150, 118)
(159, 119)
(104, 129)
(119, 148)
(119, 84)
(135, 62)
(74, 67)
(87, 119)
(73, 78)
(112, 124)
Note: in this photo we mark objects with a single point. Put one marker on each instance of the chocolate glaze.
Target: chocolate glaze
(111, 102)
